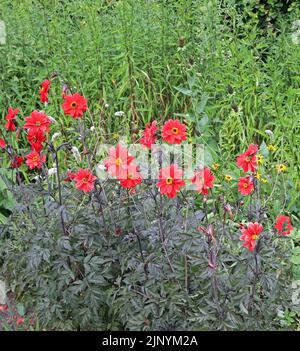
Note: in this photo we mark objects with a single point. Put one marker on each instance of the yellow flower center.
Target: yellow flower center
(281, 168)
(84, 180)
(74, 104)
(271, 148)
(259, 158)
(258, 175)
(248, 159)
(245, 185)
(169, 180)
(175, 130)
(35, 158)
(118, 161)
(254, 237)
(38, 123)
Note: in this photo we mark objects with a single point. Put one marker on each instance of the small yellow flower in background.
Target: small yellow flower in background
(115, 135)
(215, 166)
(258, 176)
(228, 177)
(272, 148)
(281, 168)
(264, 180)
(190, 140)
(260, 159)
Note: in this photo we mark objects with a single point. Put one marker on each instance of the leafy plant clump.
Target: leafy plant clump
(95, 241)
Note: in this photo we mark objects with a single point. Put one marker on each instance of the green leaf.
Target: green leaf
(21, 309)
(203, 123)
(3, 219)
(184, 91)
(263, 149)
(295, 259)
(201, 105)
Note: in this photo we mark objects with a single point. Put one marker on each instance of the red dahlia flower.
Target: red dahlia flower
(133, 177)
(2, 143)
(245, 185)
(45, 86)
(118, 161)
(250, 235)
(283, 225)
(11, 117)
(74, 105)
(118, 231)
(173, 131)
(3, 308)
(38, 121)
(84, 179)
(149, 137)
(248, 160)
(69, 176)
(35, 139)
(203, 180)
(20, 320)
(35, 160)
(170, 180)
(17, 162)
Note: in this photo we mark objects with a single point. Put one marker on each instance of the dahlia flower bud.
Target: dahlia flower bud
(75, 153)
(53, 120)
(64, 88)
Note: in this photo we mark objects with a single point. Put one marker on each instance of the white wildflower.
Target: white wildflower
(119, 113)
(55, 136)
(101, 167)
(52, 171)
(269, 132)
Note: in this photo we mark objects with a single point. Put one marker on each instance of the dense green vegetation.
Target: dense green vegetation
(133, 55)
